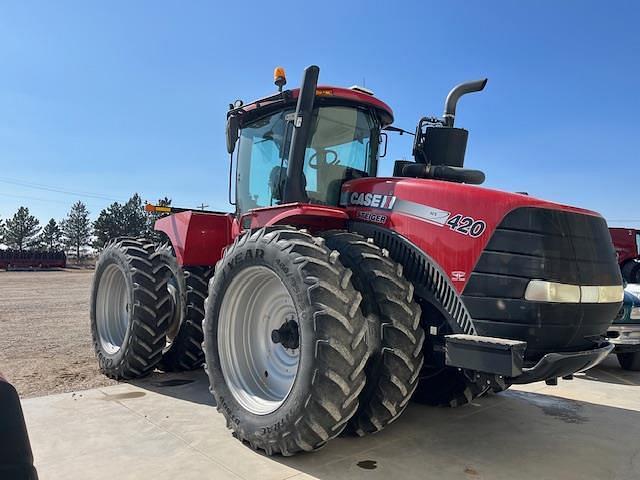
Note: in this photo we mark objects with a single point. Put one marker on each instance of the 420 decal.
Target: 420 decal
(467, 225)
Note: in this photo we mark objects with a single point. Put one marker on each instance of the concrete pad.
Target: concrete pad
(166, 427)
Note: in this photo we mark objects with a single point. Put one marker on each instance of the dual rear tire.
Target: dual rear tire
(146, 310)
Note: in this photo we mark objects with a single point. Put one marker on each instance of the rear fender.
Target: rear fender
(302, 215)
(198, 238)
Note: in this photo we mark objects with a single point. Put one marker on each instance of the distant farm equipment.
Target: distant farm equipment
(32, 259)
(627, 244)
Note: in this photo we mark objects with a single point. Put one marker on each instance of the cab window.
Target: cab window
(262, 162)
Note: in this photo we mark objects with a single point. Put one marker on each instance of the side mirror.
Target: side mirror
(233, 127)
(383, 144)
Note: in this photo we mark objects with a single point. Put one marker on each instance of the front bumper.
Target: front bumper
(554, 365)
(625, 338)
(504, 359)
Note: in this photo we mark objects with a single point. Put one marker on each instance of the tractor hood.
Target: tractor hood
(452, 221)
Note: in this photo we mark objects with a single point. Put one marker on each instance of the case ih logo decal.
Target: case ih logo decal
(458, 222)
(373, 200)
(458, 276)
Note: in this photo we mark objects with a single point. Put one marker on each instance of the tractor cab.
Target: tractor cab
(288, 152)
(302, 145)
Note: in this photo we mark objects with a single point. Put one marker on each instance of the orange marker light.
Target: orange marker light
(279, 78)
(324, 92)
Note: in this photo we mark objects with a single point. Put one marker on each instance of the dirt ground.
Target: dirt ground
(45, 341)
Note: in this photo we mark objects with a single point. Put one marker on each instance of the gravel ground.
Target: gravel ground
(45, 340)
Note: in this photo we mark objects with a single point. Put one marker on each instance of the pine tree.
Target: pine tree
(127, 220)
(21, 230)
(51, 236)
(134, 217)
(152, 217)
(76, 228)
(108, 225)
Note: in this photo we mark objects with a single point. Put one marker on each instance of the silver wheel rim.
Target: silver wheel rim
(112, 309)
(258, 372)
(177, 306)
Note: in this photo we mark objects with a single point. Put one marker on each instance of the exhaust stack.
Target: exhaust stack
(455, 94)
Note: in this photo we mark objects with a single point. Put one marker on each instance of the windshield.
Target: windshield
(343, 145)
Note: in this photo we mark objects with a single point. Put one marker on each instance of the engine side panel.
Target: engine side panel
(198, 238)
(452, 222)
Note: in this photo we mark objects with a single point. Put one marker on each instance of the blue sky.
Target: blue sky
(108, 98)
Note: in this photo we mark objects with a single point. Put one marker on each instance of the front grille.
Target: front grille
(553, 245)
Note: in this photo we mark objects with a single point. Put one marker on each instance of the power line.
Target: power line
(49, 188)
(26, 197)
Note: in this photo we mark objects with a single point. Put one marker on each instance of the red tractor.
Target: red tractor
(627, 244)
(338, 295)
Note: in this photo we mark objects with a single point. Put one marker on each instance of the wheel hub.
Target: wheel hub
(287, 335)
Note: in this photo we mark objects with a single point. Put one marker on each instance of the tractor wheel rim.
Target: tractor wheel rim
(112, 309)
(177, 306)
(259, 372)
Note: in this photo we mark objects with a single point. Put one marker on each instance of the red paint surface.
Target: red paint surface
(453, 251)
(198, 238)
(624, 241)
(303, 215)
(336, 92)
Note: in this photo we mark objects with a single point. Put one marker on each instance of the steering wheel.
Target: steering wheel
(335, 161)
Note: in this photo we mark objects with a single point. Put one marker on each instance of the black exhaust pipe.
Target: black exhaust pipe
(295, 189)
(454, 96)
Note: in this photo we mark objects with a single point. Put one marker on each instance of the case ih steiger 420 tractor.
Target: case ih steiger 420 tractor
(337, 295)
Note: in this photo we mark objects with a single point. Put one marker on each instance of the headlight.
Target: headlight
(600, 294)
(541, 291)
(554, 292)
(635, 313)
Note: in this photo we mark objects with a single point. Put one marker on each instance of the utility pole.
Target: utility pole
(202, 206)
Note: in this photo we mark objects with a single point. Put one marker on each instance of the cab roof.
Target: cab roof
(325, 93)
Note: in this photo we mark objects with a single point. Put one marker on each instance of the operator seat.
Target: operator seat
(278, 180)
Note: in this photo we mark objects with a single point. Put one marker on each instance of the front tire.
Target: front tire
(296, 389)
(440, 385)
(130, 308)
(629, 361)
